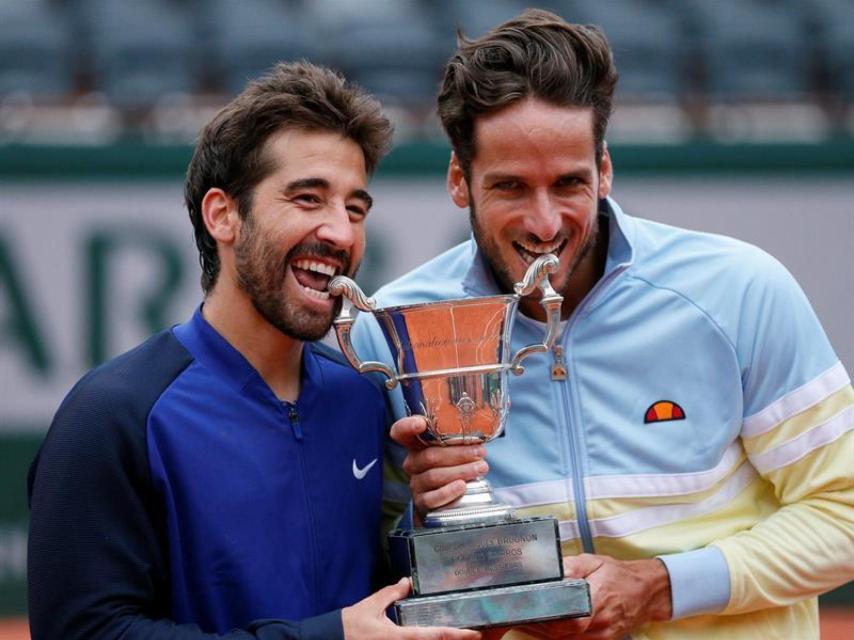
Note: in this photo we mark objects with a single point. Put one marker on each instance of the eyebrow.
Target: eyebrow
(499, 177)
(306, 183)
(321, 183)
(585, 172)
(581, 172)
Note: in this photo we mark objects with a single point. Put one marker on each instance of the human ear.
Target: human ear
(458, 187)
(219, 213)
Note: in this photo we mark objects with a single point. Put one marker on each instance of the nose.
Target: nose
(337, 229)
(542, 219)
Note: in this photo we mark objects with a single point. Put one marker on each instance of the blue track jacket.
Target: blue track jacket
(175, 497)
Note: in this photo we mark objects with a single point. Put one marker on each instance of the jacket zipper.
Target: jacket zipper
(577, 476)
(296, 427)
(574, 446)
(558, 366)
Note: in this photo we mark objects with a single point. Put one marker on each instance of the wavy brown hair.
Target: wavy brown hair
(536, 54)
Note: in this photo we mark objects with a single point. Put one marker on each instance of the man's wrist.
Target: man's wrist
(659, 604)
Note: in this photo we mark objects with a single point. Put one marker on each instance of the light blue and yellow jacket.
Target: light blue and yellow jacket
(705, 419)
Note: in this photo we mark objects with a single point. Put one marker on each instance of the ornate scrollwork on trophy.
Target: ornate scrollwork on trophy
(534, 276)
(551, 302)
(343, 286)
(466, 406)
(430, 416)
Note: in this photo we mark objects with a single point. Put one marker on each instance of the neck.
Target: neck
(275, 356)
(588, 272)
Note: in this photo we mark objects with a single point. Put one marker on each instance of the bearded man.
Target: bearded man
(217, 480)
(691, 428)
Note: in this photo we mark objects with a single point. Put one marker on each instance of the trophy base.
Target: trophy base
(478, 556)
(499, 606)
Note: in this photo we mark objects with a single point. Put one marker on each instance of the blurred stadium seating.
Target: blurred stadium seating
(91, 71)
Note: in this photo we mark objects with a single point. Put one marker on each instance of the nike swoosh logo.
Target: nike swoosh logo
(361, 473)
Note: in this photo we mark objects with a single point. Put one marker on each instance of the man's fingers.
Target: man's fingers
(446, 494)
(383, 598)
(580, 566)
(406, 430)
(441, 457)
(440, 476)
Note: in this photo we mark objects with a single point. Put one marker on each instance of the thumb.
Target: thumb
(580, 566)
(405, 432)
(387, 595)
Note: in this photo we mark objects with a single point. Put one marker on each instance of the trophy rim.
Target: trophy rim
(505, 297)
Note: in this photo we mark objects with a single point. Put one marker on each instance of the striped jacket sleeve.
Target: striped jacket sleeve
(799, 408)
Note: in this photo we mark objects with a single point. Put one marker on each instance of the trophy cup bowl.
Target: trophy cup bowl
(474, 563)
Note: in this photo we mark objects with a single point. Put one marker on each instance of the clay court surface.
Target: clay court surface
(836, 624)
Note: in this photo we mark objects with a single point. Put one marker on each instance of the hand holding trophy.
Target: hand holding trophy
(474, 563)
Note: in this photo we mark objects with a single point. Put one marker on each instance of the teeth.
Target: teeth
(530, 252)
(317, 267)
(540, 249)
(320, 295)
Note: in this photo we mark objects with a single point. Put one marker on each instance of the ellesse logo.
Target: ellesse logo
(663, 411)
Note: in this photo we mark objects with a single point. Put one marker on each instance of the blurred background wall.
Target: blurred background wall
(733, 116)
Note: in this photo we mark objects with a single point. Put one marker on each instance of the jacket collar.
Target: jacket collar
(213, 351)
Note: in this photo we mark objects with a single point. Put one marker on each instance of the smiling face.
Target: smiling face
(306, 225)
(534, 188)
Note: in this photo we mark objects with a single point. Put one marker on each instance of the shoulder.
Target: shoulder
(119, 394)
(745, 292)
(663, 244)
(704, 266)
(100, 425)
(437, 279)
(137, 377)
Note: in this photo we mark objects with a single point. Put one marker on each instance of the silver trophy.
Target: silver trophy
(474, 563)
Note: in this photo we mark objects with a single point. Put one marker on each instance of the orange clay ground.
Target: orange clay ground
(836, 624)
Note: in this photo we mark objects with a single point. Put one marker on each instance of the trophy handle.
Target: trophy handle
(537, 276)
(353, 296)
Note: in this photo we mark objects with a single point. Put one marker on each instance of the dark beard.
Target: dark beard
(260, 274)
(500, 271)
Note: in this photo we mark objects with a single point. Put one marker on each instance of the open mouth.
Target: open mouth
(530, 252)
(313, 276)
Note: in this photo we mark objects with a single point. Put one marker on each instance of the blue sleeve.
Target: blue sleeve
(97, 561)
(780, 342)
(699, 582)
